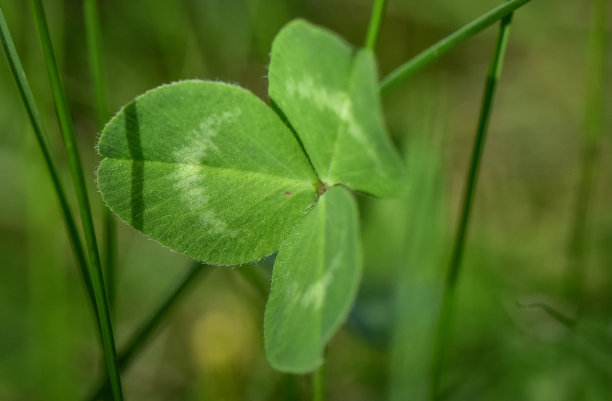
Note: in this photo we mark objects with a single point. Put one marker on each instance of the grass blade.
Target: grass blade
(146, 330)
(448, 43)
(109, 246)
(593, 126)
(39, 131)
(94, 50)
(552, 312)
(95, 269)
(448, 295)
(417, 280)
(378, 12)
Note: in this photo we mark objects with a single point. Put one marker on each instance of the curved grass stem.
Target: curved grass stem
(435, 51)
(40, 133)
(378, 12)
(144, 333)
(76, 169)
(94, 50)
(448, 295)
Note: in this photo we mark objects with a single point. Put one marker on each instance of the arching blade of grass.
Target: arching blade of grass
(94, 49)
(95, 269)
(140, 337)
(448, 43)
(144, 333)
(448, 295)
(552, 312)
(378, 12)
(39, 131)
(593, 126)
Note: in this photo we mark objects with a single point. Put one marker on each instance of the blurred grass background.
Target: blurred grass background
(211, 347)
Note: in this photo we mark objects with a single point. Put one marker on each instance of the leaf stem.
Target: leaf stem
(148, 327)
(378, 12)
(318, 383)
(94, 48)
(593, 126)
(448, 295)
(95, 269)
(40, 133)
(448, 43)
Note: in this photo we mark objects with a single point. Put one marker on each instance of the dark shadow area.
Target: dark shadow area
(286, 121)
(132, 132)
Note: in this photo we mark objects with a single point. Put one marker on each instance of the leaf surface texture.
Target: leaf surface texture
(329, 93)
(207, 169)
(314, 283)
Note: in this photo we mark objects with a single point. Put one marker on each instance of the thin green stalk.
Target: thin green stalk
(109, 249)
(39, 131)
(318, 384)
(95, 268)
(94, 49)
(448, 295)
(144, 333)
(552, 312)
(448, 43)
(593, 126)
(378, 12)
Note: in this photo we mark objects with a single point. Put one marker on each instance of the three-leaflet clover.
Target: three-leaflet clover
(210, 170)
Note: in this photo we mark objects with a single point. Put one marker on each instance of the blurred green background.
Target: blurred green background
(211, 346)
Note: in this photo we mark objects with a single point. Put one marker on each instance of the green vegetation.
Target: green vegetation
(78, 180)
(329, 95)
(96, 65)
(207, 169)
(452, 276)
(314, 283)
(314, 249)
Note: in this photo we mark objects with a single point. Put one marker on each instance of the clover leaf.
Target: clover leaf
(329, 93)
(207, 169)
(314, 283)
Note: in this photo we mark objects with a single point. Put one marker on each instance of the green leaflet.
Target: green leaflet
(207, 169)
(314, 283)
(329, 93)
